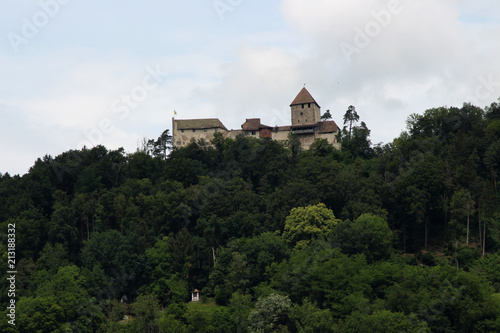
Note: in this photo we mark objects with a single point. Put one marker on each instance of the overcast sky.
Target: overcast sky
(112, 72)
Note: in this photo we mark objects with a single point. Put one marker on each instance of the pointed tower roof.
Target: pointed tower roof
(303, 97)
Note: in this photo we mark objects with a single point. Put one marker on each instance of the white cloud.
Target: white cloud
(260, 83)
(428, 54)
(423, 55)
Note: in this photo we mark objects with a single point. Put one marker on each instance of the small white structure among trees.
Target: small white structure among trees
(195, 295)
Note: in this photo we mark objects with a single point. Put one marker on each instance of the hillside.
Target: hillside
(399, 237)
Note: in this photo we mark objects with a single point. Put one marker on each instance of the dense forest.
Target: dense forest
(401, 237)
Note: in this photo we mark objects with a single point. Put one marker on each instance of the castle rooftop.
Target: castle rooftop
(303, 97)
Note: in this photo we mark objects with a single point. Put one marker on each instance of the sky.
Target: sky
(77, 73)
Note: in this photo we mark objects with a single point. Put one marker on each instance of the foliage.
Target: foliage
(307, 223)
(160, 147)
(120, 258)
(309, 318)
(61, 304)
(368, 234)
(351, 117)
(327, 115)
(271, 314)
(396, 237)
(146, 310)
(383, 322)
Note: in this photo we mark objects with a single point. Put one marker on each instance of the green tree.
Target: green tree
(271, 314)
(52, 258)
(198, 317)
(32, 225)
(180, 247)
(294, 147)
(297, 193)
(83, 206)
(384, 322)
(173, 318)
(368, 234)
(350, 117)
(462, 206)
(60, 304)
(447, 299)
(421, 188)
(307, 223)
(262, 251)
(237, 278)
(120, 257)
(164, 283)
(492, 158)
(62, 228)
(146, 311)
(321, 147)
(39, 314)
(327, 115)
(241, 305)
(160, 147)
(89, 180)
(324, 275)
(309, 318)
(169, 323)
(359, 143)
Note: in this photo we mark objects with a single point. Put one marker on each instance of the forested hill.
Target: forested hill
(402, 237)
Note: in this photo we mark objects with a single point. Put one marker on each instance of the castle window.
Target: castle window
(205, 130)
(216, 129)
(182, 131)
(302, 113)
(194, 130)
(253, 132)
(308, 105)
(303, 105)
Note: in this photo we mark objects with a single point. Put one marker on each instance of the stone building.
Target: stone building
(185, 130)
(305, 123)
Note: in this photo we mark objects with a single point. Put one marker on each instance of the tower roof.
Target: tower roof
(303, 97)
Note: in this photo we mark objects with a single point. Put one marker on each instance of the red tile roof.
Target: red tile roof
(253, 124)
(328, 126)
(322, 127)
(303, 97)
(283, 128)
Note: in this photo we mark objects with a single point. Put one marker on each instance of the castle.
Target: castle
(306, 124)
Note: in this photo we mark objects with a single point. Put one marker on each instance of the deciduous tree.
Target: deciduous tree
(307, 223)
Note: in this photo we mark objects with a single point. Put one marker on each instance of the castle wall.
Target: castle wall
(280, 135)
(306, 140)
(331, 138)
(182, 138)
(234, 133)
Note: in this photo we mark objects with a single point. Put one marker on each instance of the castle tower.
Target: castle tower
(305, 110)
